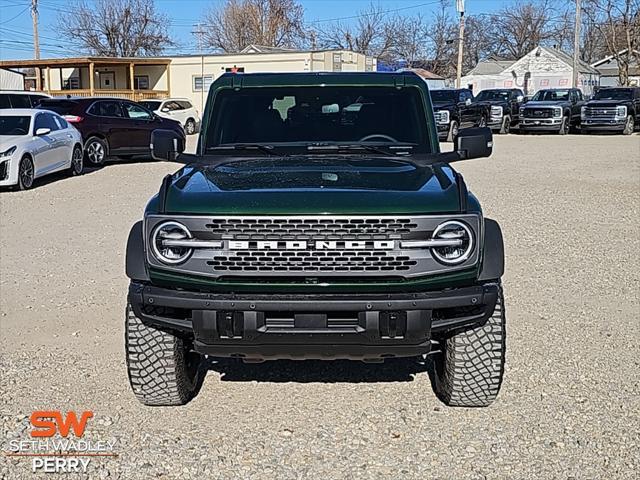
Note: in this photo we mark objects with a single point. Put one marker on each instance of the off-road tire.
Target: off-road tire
(470, 368)
(453, 131)
(163, 371)
(629, 126)
(506, 125)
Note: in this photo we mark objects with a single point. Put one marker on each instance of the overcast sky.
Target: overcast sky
(16, 29)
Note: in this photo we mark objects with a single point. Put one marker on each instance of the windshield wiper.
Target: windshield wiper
(361, 146)
(266, 149)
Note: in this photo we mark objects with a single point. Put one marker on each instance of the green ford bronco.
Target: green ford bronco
(317, 219)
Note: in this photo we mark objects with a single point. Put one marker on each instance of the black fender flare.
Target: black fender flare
(135, 264)
(493, 258)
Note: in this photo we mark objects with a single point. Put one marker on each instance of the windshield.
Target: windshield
(150, 105)
(14, 125)
(493, 95)
(305, 116)
(551, 95)
(614, 94)
(443, 95)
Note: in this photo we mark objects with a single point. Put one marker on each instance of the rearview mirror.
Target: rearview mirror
(42, 131)
(166, 145)
(474, 143)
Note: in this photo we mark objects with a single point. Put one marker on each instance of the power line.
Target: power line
(13, 18)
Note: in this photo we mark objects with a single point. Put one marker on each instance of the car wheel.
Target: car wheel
(506, 124)
(96, 151)
(163, 369)
(453, 131)
(190, 127)
(470, 368)
(564, 126)
(629, 127)
(26, 173)
(77, 161)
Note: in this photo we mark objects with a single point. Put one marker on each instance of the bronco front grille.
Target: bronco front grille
(303, 246)
(311, 228)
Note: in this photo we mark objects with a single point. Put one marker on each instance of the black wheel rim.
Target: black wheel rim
(190, 127)
(76, 161)
(26, 173)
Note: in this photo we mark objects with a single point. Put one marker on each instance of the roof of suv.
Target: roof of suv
(303, 79)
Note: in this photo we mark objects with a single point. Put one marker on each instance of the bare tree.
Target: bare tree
(443, 43)
(520, 27)
(116, 28)
(617, 22)
(238, 23)
(372, 34)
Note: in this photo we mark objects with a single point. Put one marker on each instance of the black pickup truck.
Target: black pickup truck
(553, 109)
(454, 109)
(504, 105)
(612, 109)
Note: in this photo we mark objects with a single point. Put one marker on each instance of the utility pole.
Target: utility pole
(36, 40)
(198, 31)
(576, 45)
(460, 9)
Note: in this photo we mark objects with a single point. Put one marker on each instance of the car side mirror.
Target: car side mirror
(467, 101)
(473, 143)
(525, 99)
(42, 131)
(166, 145)
(164, 109)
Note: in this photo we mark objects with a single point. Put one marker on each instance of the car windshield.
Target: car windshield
(551, 95)
(317, 117)
(61, 107)
(14, 124)
(614, 94)
(493, 95)
(150, 105)
(443, 95)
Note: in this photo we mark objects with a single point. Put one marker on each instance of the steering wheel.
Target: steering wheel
(378, 135)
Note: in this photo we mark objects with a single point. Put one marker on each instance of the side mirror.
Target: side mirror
(519, 99)
(467, 101)
(42, 131)
(525, 99)
(164, 109)
(474, 143)
(166, 145)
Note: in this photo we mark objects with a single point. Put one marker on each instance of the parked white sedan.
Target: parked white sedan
(34, 143)
(179, 109)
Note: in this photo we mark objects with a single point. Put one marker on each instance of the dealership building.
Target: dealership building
(187, 76)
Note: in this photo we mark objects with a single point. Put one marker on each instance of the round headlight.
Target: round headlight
(161, 242)
(458, 253)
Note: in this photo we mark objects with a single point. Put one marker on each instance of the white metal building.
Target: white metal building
(543, 67)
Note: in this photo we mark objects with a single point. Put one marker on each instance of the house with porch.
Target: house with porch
(186, 76)
(132, 78)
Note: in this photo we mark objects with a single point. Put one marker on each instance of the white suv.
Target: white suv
(179, 109)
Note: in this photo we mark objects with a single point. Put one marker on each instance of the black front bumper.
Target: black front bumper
(323, 326)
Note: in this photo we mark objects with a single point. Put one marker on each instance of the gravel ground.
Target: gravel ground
(569, 208)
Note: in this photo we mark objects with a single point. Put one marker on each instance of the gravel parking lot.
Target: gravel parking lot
(569, 208)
